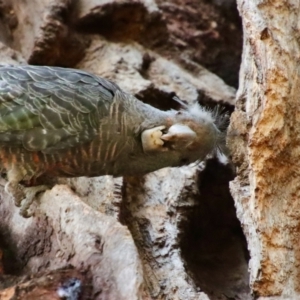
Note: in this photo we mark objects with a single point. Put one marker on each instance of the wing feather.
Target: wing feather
(51, 108)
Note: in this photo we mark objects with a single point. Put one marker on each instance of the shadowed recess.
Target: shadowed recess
(10, 261)
(213, 245)
(133, 17)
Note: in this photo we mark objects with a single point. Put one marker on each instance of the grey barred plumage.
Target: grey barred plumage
(66, 122)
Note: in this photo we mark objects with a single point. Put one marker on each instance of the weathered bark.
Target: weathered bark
(264, 138)
(172, 234)
(152, 211)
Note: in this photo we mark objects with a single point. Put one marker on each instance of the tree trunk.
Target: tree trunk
(264, 139)
(172, 234)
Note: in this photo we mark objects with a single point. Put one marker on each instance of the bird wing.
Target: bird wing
(51, 108)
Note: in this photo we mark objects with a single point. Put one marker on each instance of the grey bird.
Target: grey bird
(69, 123)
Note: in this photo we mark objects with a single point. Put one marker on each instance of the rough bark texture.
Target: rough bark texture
(264, 138)
(172, 234)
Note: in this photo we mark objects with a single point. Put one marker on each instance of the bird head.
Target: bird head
(197, 131)
(192, 133)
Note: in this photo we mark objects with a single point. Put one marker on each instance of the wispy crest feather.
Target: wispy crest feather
(218, 117)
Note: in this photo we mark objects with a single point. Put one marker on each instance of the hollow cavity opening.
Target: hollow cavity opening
(212, 243)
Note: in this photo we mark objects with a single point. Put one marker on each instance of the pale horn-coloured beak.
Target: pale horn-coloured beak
(179, 133)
